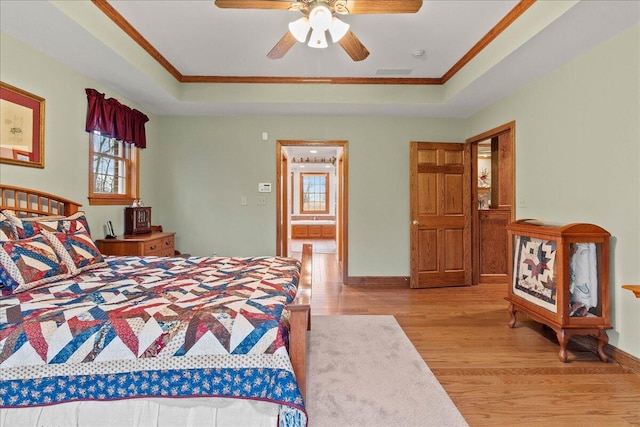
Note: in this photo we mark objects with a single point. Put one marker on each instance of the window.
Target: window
(314, 193)
(113, 171)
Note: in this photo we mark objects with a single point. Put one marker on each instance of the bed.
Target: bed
(103, 340)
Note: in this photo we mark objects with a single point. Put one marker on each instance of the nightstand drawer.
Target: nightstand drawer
(159, 247)
(161, 252)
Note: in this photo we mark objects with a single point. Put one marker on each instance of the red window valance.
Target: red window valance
(115, 120)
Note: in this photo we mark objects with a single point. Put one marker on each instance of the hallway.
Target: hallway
(320, 246)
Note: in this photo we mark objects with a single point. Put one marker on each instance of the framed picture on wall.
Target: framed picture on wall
(21, 127)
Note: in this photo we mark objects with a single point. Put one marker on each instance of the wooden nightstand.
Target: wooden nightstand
(156, 243)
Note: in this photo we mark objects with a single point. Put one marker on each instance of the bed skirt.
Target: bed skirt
(187, 412)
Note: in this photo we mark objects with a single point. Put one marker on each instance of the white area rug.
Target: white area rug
(364, 371)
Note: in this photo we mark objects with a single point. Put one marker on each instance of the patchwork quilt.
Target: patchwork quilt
(534, 276)
(154, 327)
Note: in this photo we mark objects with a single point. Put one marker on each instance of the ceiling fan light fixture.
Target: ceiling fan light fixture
(320, 18)
(300, 29)
(318, 39)
(338, 29)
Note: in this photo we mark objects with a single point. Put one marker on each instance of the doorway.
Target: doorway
(493, 191)
(311, 197)
(462, 199)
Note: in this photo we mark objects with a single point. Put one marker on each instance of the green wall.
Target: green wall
(208, 163)
(66, 148)
(578, 158)
(577, 150)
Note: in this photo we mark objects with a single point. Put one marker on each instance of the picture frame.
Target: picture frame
(21, 155)
(21, 127)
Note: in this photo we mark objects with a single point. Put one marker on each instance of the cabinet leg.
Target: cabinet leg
(603, 340)
(563, 339)
(512, 313)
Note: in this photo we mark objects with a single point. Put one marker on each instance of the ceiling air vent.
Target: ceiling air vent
(393, 71)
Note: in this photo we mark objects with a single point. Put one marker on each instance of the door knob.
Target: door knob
(415, 222)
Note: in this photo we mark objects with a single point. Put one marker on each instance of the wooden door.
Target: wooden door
(440, 215)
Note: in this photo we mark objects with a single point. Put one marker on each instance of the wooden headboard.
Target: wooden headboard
(26, 202)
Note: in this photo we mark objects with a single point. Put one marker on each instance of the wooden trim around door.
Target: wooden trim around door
(342, 215)
(504, 209)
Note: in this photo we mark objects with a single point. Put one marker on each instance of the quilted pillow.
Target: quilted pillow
(76, 222)
(77, 250)
(27, 263)
(7, 231)
(28, 227)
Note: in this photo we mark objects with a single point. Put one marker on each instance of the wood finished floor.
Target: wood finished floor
(323, 246)
(496, 376)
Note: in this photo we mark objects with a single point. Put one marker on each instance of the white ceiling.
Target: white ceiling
(198, 38)
(206, 40)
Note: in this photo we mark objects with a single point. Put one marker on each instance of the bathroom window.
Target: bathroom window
(314, 193)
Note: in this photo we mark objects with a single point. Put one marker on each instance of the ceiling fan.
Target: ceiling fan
(319, 17)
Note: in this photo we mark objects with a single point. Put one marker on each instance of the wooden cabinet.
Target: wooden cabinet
(156, 243)
(560, 277)
(328, 231)
(490, 239)
(137, 220)
(313, 231)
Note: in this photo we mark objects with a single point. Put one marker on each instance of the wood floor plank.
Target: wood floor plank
(496, 376)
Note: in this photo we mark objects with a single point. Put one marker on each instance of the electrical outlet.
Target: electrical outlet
(522, 203)
(262, 201)
(243, 200)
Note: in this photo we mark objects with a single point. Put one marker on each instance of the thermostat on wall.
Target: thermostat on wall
(264, 187)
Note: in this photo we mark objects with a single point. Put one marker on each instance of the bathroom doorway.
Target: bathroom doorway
(311, 197)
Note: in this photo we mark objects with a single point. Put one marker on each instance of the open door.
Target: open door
(440, 215)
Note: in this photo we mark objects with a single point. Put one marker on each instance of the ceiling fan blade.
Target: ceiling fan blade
(354, 48)
(282, 47)
(383, 6)
(255, 4)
